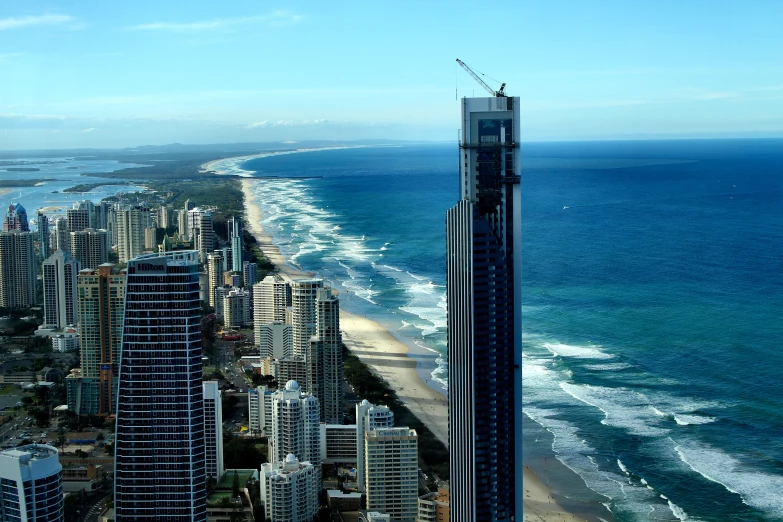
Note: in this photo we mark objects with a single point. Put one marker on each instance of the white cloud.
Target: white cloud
(275, 19)
(91, 129)
(288, 123)
(31, 21)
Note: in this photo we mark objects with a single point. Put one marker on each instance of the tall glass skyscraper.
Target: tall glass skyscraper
(484, 316)
(160, 453)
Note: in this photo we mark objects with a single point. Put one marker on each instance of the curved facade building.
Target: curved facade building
(31, 484)
(160, 444)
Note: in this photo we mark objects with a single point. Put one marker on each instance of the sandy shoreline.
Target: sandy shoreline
(388, 357)
(217, 167)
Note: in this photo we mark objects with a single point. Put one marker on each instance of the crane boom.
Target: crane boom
(499, 93)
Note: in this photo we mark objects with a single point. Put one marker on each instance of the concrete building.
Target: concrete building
(338, 444)
(201, 231)
(249, 275)
(78, 217)
(434, 507)
(165, 217)
(259, 403)
(295, 426)
(16, 219)
(219, 294)
(32, 490)
(62, 239)
(483, 233)
(289, 490)
(131, 223)
(373, 516)
(43, 235)
(90, 247)
(391, 481)
(101, 305)
(275, 340)
(325, 357)
(290, 369)
(59, 290)
(271, 298)
(17, 269)
(303, 313)
(368, 417)
(214, 273)
(150, 239)
(160, 461)
(213, 429)
(232, 279)
(182, 224)
(236, 308)
(65, 342)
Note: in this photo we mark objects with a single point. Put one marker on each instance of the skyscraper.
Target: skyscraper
(303, 312)
(483, 232)
(101, 306)
(16, 219)
(237, 243)
(271, 297)
(249, 275)
(59, 290)
(17, 269)
(160, 462)
(213, 430)
(391, 479)
(325, 357)
(289, 490)
(201, 232)
(368, 417)
(43, 235)
(131, 223)
(78, 217)
(32, 484)
(90, 247)
(295, 426)
(214, 275)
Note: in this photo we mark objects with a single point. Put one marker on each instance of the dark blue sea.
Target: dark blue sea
(652, 303)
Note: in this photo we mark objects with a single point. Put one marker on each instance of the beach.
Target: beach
(389, 358)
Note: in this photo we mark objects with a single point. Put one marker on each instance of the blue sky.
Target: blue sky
(115, 74)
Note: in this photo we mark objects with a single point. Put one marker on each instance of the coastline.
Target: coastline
(392, 359)
(217, 167)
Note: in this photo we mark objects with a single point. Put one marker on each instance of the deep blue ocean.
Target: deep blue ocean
(652, 302)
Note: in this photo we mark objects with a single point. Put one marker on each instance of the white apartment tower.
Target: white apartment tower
(271, 297)
(275, 340)
(17, 269)
(201, 232)
(90, 247)
(32, 490)
(295, 426)
(289, 490)
(236, 308)
(259, 403)
(391, 482)
(59, 290)
(43, 235)
(368, 417)
(131, 223)
(213, 429)
(214, 274)
(303, 312)
(62, 239)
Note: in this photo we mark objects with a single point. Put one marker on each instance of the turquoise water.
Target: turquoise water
(651, 301)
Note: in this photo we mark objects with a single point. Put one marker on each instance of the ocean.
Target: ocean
(651, 303)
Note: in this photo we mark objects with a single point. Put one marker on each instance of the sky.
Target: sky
(120, 74)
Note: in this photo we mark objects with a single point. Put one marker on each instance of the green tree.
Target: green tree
(235, 485)
(61, 438)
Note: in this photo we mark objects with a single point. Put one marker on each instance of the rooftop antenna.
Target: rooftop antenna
(498, 94)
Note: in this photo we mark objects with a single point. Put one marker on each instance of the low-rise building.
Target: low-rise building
(342, 501)
(434, 507)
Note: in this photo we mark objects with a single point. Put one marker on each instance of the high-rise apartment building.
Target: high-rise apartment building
(16, 219)
(31, 479)
(289, 490)
(165, 217)
(59, 290)
(271, 298)
(391, 481)
(213, 430)
(43, 235)
(160, 461)
(325, 357)
(131, 223)
(17, 269)
(101, 306)
(214, 273)
(275, 340)
(237, 243)
(236, 308)
(303, 312)
(200, 230)
(90, 247)
(295, 426)
(62, 239)
(78, 217)
(249, 275)
(259, 403)
(484, 284)
(368, 417)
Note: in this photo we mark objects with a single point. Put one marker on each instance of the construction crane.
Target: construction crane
(499, 93)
